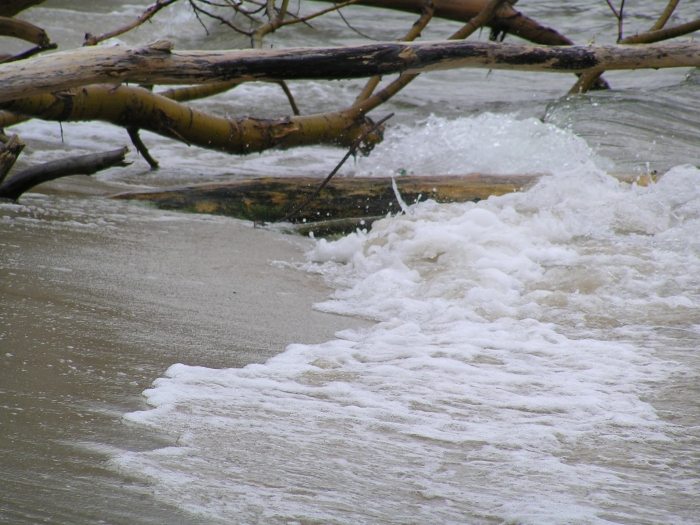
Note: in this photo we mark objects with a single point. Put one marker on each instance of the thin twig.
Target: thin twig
(305, 19)
(619, 14)
(484, 16)
(663, 34)
(91, 40)
(351, 152)
(197, 10)
(290, 97)
(587, 79)
(141, 147)
(353, 28)
(27, 53)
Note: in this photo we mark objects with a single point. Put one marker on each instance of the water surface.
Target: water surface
(527, 359)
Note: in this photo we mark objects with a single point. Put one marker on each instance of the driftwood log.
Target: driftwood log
(343, 205)
(160, 64)
(14, 186)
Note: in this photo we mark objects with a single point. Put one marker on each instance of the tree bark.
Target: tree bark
(16, 28)
(343, 205)
(139, 108)
(507, 18)
(23, 181)
(12, 7)
(269, 199)
(157, 64)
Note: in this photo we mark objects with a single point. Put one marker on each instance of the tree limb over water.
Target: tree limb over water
(90, 83)
(159, 64)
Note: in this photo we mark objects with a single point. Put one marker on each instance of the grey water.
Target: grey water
(98, 298)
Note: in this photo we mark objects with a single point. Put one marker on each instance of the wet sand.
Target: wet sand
(97, 299)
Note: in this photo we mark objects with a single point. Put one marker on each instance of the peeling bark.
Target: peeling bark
(156, 64)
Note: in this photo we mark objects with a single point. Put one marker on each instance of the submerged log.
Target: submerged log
(341, 206)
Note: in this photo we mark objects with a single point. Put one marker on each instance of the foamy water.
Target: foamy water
(519, 368)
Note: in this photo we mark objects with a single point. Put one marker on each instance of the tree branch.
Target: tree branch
(668, 11)
(134, 107)
(8, 155)
(91, 40)
(156, 64)
(23, 181)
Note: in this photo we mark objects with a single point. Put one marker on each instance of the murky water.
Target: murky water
(527, 359)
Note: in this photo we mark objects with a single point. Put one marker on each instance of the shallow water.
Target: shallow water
(531, 358)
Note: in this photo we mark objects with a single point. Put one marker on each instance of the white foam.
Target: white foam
(486, 143)
(507, 376)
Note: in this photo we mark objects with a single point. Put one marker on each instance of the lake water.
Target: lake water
(532, 358)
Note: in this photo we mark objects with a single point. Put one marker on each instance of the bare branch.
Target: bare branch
(415, 31)
(587, 79)
(141, 147)
(668, 11)
(16, 185)
(366, 105)
(619, 14)
(350, 153)
(91, 40)
(663, 34)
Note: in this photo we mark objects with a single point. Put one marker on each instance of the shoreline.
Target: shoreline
(99, 298)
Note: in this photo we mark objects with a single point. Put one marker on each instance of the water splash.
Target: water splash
(508, 375)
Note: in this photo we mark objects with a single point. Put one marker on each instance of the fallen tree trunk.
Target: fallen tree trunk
(341, 206)
(507, 19)
(88, 164)
(159, 64)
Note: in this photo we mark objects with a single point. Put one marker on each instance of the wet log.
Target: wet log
(343, 205)
(159, 64)
(88, 164)
(134, 107)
